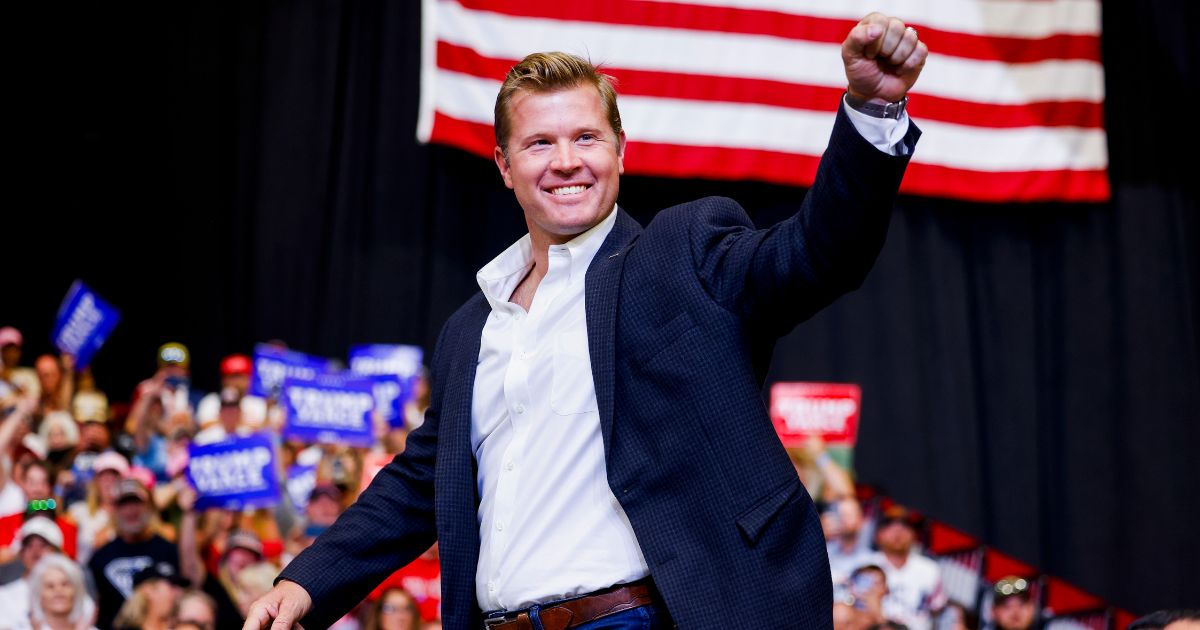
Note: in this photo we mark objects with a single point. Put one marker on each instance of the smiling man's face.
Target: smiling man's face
(564, 161)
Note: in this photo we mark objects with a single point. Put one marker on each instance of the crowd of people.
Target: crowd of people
(99, 526)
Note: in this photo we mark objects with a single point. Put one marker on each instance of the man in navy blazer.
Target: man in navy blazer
(680, 319)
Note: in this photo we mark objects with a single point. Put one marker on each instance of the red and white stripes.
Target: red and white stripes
(1011, 100)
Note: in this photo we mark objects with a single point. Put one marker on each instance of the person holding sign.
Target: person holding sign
(577, 465)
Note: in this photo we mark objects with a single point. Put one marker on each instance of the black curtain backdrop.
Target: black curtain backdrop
(231, 173)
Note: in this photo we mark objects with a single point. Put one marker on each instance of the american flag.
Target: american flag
(1011, 99)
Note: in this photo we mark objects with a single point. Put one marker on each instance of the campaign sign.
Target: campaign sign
(403, 361)
(394, 366)
(827, 410)
(234, 474)
(83, 324)
(272, 365)
(330, 409)
(389, 392)
(301, 480)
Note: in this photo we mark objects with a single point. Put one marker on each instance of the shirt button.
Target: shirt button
(491, 587)
(499, 527)
(508, 466)
(520, 409)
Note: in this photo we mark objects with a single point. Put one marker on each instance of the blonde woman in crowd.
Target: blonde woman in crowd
(93, 515)
(58, 600)
(251, 583)
(60, 434)
(195, 610)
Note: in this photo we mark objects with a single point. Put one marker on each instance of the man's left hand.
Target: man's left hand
(883, 59)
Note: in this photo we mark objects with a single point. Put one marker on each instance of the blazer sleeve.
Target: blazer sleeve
(782, 275)
(391, 524)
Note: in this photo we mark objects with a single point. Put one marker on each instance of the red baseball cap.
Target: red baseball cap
(235, 364)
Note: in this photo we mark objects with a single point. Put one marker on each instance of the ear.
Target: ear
(621, 153)
(502, 164)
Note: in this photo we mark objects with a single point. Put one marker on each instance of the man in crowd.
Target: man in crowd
(861, 603)
(1013, 607)
(94, 439)
(234, 399)
(323, 508)
(914, 582)
(170, 384)
(136, 547)
(841, 520)
(578, 424)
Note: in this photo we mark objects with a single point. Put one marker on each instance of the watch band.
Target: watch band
(890, 110)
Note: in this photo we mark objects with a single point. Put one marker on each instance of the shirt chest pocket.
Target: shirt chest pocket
(572, 390)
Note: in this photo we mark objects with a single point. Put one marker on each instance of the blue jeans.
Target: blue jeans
(648, 617)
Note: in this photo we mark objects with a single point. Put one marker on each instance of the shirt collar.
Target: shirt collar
(500, 277)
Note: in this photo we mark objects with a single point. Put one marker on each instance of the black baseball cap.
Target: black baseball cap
(160, 571)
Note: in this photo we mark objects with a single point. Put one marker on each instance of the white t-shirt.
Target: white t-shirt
(842, 564)
(89, 526)
(14, 601)
(12, 499)
(914, 590)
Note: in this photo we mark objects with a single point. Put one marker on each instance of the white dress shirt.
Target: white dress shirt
(549, 526)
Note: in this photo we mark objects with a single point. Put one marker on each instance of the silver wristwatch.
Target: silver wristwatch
(890, 110)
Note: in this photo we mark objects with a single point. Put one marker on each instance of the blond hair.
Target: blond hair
(134, 612)
(547, 72)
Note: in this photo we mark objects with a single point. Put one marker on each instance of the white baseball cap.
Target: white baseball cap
(43, 528)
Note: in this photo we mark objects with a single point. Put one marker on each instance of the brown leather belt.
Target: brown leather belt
(574, 612)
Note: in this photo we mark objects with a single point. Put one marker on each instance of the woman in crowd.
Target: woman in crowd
(395, 610)
(57, 379)
(94, 514)
(195, 610)
(57, 597)
(60, 433)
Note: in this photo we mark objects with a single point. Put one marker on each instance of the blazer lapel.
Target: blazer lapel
(456, 495)
(601, 293)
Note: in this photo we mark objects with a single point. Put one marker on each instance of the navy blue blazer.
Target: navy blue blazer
(682, 317)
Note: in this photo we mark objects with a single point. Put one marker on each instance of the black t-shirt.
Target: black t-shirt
(114, 565)
(228, 615)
